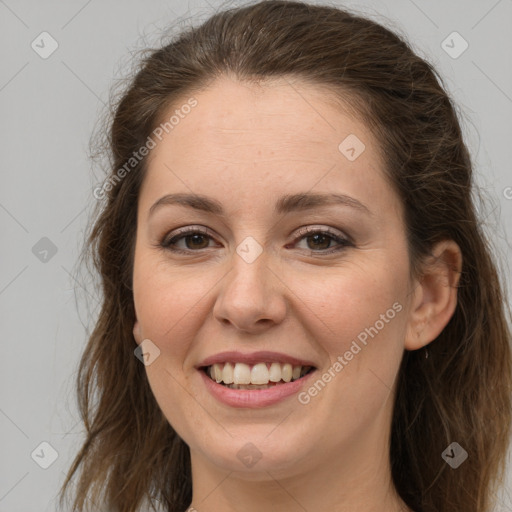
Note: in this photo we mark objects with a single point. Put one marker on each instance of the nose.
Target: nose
(252, 297)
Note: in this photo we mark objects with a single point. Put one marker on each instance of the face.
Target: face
(296, 256)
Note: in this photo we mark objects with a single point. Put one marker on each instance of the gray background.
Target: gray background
(49, 108)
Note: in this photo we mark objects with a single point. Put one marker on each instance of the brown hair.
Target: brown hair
(461, 393)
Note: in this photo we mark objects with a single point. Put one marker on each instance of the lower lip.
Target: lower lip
(253, 397)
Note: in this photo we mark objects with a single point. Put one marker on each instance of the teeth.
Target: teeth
(242, 374)
(217, 372)
(248, 386)
(275, 372)
(259, 376)
(286, 372)
(227, 373)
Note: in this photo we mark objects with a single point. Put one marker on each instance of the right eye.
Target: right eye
(194, 239)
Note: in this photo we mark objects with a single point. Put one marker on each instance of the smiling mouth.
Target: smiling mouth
(258, 376)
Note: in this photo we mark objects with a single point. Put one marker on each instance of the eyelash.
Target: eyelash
(302, 233)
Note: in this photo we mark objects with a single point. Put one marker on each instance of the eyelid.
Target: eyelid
(311, 229)
(187, 230)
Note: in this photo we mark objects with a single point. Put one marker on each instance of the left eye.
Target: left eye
(318, 240)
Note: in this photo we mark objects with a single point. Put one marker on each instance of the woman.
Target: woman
(300, 309)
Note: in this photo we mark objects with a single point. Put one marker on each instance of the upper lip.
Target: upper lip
(234, 356)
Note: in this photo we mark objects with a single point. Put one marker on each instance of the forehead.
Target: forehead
(282, 135)
(229, 111)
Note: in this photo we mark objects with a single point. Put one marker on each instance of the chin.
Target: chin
(254, 460)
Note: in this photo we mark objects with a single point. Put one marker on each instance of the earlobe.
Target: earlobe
(136, 332)
(435, 297)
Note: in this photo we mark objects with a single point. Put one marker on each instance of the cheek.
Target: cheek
(171, 304)
(155, 289)
(352, 302)
(363, 318)
(363, 326)
(169, 308)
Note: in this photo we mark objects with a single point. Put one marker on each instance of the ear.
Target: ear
(137, 332)
(435, 295)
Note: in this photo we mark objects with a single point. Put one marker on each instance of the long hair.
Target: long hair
(461, 393)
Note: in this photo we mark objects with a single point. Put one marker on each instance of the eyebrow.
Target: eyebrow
(285, 204)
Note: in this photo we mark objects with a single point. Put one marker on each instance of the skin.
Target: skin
(246, 145)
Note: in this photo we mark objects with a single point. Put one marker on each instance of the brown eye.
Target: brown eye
(196, 241)
(321, 241)
(187, 241)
